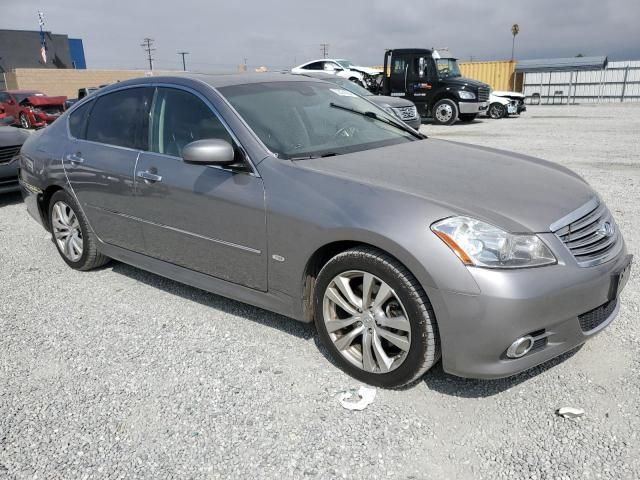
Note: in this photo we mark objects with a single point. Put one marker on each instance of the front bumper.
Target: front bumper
(476, 330)
(9, 177)
(472, 107)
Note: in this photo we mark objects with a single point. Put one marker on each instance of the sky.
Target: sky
(282, 33)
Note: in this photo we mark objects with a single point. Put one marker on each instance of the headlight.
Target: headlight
(389, 110)
(482, 245)
(466, 95)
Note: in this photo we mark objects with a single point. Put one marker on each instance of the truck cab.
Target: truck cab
(434, 84)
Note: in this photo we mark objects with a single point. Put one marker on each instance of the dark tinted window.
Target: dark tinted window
(78, 121)
(314, 66)
(179, 118)
(121, 118)
(3, 97)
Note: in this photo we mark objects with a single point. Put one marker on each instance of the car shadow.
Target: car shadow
(436, 379)
(258, 315)
(11, 198)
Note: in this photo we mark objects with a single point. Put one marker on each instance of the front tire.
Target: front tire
(375, 319)
(497, 111)
(72, 235)
(445, 112)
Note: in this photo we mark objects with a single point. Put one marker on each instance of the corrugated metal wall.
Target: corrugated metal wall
(497, 74)
(619, 82)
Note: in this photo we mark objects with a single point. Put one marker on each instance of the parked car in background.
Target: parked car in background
(402, 108)
(434, 84)
(293, 195)
(82, 92)
(11, 139)
(516, 100)
(30, 108)
(363, 76)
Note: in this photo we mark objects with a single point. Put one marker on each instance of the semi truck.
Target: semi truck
(434, 84)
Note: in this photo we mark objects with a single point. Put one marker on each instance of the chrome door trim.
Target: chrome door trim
(178, 230)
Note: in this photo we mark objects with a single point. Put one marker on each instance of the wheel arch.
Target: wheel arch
(43, 204)
(326, 252)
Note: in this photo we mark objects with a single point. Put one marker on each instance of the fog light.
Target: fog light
(520, 347)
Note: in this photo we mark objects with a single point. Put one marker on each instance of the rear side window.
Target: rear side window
(78, 121)
(179, 118)
(121, 118)
(314, 66)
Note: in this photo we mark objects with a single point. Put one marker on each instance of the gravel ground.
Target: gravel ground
(118, 373)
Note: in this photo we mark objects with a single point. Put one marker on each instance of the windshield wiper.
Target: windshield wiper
(375, 116)
(310, 157)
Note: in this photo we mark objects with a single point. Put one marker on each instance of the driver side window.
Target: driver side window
(179, 118)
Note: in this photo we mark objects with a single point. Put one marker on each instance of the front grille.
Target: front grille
(594, 318)
(591, 238)
(7, 153)
(407, 113)
(483, 94)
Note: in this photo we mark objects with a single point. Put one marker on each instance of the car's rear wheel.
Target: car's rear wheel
(24, 121)
(71, 234)
(375, 319)
(445, 112)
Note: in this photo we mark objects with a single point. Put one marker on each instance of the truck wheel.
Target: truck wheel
(24, 121)
(445, 112)
(468, 117)
(497, 110)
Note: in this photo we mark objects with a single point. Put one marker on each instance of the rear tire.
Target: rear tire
(395, 308)
(72, 235)
(445, 112)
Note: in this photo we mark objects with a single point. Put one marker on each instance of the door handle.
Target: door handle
(74, 158)
(149, 177)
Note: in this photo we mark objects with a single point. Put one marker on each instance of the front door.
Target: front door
(109, 134)
(204, 218)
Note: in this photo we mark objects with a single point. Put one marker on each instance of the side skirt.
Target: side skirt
(276, 302)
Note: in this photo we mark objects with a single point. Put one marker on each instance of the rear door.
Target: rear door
(205, 218)
(109, 133)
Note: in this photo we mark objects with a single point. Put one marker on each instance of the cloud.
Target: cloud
(278, 33)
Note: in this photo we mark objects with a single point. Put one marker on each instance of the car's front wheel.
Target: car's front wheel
(445, 112)
(71, 234)
(375, 319)
(497, 111)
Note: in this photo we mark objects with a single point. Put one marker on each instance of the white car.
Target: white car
(341, 67)
(502, 104)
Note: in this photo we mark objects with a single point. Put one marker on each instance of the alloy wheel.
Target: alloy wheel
(366, 321)
(66, 231)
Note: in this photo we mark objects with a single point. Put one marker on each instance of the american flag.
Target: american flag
(43, 41)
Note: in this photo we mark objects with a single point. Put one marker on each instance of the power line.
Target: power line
(146, 45)
(184, 64)
(324, 48)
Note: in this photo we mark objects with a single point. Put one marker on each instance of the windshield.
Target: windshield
(448, 67)
(301, 119)
(349, 85)
(346, 64)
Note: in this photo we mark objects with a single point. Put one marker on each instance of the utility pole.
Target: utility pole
(515, 29)
(146, 45)
(324, 48)
(184, 63)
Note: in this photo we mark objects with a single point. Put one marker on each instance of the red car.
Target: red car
(31, 109)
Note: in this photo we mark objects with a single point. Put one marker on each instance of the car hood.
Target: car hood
(367, 70)
(512, 191)
(11, 136)
(493, 98)
(502, 93)
(44, 101)
(394, 102)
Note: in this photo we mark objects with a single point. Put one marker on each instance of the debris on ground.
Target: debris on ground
(569, 412)
(357, 399)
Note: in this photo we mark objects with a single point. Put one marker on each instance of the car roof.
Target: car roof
(216, 80)
(21, 91)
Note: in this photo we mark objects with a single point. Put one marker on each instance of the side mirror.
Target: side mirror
(209, 152)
